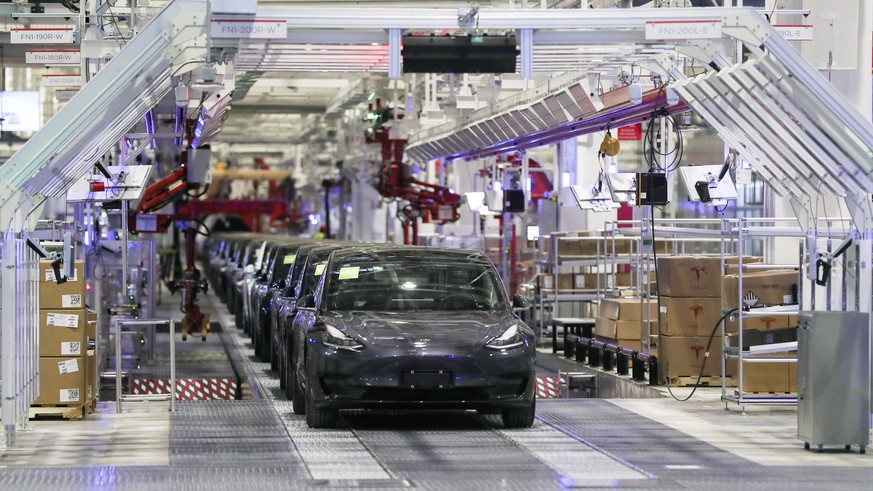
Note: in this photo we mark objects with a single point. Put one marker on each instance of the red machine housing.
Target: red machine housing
(431, 203)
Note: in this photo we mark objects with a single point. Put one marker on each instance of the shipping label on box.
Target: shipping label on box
(68, 366)
(685, 316)
(50, 276)
(68, 395)
(72, 301)
(62, 320)
(71, 348)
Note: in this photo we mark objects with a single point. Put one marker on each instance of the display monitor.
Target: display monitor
(701, 183)
(593, 197)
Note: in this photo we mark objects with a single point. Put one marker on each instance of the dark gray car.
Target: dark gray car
(413, 327)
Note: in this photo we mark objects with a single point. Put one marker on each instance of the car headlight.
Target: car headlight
(511, 338)
(335, 338)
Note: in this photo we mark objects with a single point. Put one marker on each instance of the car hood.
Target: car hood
(422, 329)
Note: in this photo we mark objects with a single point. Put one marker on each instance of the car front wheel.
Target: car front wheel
(319, 417)
(520, 418)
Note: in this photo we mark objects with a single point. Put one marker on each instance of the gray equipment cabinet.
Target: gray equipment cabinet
(833, 406)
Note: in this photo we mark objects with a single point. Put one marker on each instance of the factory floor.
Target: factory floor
(258, 443)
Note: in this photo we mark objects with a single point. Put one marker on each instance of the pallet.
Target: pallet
(72, 412)
(705, 381)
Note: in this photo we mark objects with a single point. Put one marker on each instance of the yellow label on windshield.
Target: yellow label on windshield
(349, 272)
(319, 269)
(289, 259)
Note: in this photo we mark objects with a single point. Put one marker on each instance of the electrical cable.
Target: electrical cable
(660, 333)
(652, 152)
(200, 222)
(70, 5)
(120, 38)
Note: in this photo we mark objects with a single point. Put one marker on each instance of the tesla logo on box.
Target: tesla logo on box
(697, 349)
(768, 321)
(697, 270)
(696, 309)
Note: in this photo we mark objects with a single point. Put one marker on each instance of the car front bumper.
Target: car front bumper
(468, 378)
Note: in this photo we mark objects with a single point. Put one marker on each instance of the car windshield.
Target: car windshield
(414, 284)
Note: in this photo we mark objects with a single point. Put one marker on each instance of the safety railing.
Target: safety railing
(119, 397)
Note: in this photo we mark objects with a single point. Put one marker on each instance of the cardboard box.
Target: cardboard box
(769, 377)
(688, 316)
(91, 382)
(565, 281)
(634, 329)
(731, 263)
(91, 324)
(758, 338)
(69, 295)
(591, 281)
(62, 380)
(770, 287)
(767, 323)
(628, 309)
(689, 276)
(63, 332)
(604, 327)
(682, 356)
(792, 377)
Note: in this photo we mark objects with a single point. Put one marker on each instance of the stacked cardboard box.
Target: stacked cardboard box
(64, 332)
(691, 306)
(624, 321)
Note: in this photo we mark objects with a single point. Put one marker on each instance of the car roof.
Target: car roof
(395, 252)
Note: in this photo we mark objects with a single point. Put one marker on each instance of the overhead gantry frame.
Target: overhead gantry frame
(811, 134)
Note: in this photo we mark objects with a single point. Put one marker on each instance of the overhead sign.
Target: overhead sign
(633, 132)
(53, 57)
(248, 29)
(683, 29)
(794, 32)
(65, 95)
(61, 80)
(42, 35)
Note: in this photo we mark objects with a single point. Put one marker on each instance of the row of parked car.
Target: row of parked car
(362, 326)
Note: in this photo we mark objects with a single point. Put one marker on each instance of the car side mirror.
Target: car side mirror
(520, 303)
(306, 302)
